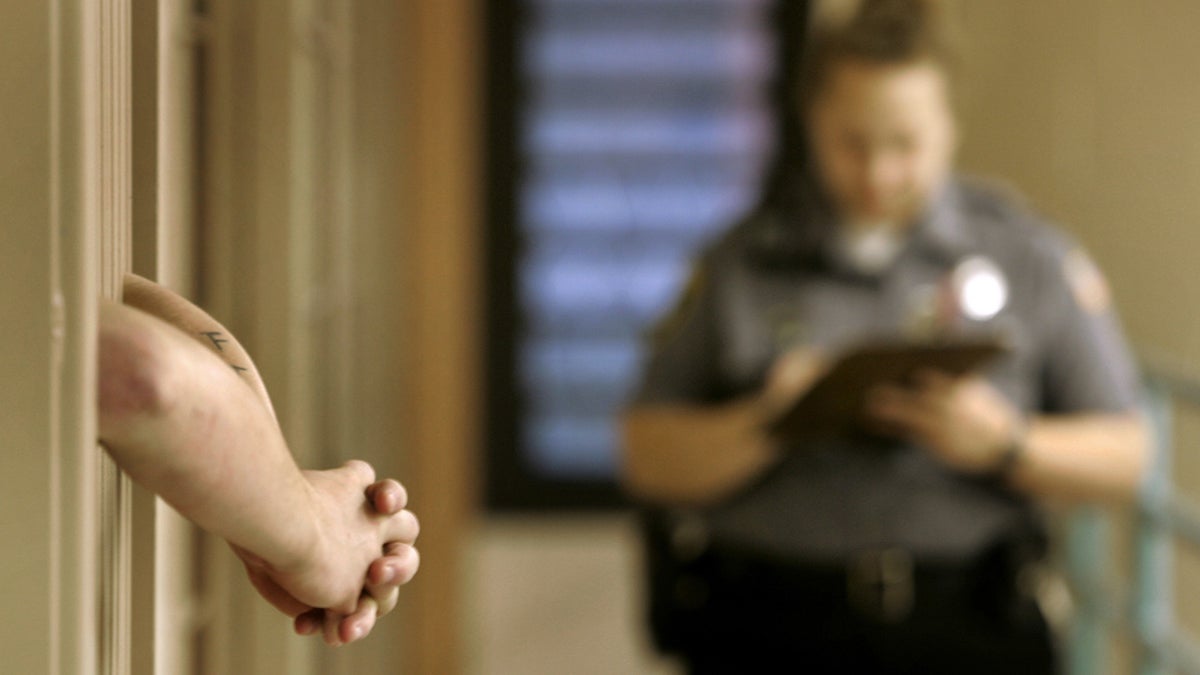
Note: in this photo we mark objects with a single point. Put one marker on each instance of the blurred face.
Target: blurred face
(883, 138)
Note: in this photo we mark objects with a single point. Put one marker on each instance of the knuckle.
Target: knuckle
(389, 603)
(397, 550)
(361, 468)
(401, 494)
(408, 570)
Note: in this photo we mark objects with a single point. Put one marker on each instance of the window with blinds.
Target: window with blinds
(624, 135)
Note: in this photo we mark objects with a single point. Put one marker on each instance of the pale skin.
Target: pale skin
(329, 548)
(883, 137)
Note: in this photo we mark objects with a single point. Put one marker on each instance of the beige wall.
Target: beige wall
(1093, 109)
(25, 347)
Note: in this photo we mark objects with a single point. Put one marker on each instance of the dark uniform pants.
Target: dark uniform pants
(761, 618)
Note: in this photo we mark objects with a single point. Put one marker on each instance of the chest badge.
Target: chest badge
(978, 288)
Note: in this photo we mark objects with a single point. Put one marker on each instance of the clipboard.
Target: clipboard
(833, 406)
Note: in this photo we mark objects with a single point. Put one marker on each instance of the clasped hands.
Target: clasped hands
(963, 421)
(363, 525)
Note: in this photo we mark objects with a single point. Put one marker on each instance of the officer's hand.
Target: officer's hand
(790, 377)
(964, 421)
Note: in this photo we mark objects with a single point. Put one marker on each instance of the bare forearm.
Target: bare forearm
(1084, 457)
(162, 303)
(178, 421)
(692, 455)
(329, 548)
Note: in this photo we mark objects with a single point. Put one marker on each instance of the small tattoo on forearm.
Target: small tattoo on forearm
(215, 337)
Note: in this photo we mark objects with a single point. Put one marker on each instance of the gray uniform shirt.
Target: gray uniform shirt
(772, 284)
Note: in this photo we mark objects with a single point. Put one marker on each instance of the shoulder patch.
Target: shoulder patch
(1087, 282)
(672, 322)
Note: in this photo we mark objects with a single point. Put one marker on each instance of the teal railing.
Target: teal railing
(1140, 605)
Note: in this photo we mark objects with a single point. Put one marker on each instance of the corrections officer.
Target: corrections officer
(899, 547)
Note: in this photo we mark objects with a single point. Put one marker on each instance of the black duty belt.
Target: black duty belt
(883, 586)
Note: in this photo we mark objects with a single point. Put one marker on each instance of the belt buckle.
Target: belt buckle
(880, 584)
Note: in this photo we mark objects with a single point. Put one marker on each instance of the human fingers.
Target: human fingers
(338, 629)
(360, 470)
(797, 369)
(401, 559)
(310, 622)
(387, 496)
(358, 624)
(403, 527)
(387, 574)
(790, 376)
(386, 598)
(268, 588)
(933, 381)
(897, 411)
(331, 623)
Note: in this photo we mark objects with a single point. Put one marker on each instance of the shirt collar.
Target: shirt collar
(941, 228)
(805, 227)
(938, 231)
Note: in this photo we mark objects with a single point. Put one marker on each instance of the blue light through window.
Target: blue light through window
(645, 131)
